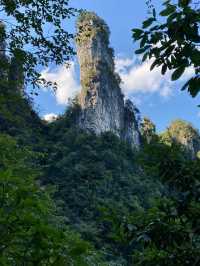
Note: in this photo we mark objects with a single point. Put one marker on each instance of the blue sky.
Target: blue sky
(155, 96)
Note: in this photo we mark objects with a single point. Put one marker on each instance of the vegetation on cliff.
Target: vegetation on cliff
(89, 25)
(68, 197)
(132, 207)
(94, 33)
(185, 134)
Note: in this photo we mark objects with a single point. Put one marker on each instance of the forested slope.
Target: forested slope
(133, 208)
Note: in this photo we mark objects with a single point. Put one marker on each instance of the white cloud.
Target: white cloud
(66, 80)
(122, 63)
(50, 117)
(137, 78)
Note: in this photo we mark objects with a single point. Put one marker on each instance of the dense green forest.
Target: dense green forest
(71, 198)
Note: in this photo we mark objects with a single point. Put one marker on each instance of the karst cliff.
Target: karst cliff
(102, 103)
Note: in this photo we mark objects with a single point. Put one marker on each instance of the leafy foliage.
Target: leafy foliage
(167, 236)
(35, 34)
(93, 173)
(31, 232)
(173, 43)
(19, 120)
(135, 208)
(167, 232)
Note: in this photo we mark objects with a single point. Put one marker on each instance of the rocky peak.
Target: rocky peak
(184, 133)
(101, 100)
(148, 130)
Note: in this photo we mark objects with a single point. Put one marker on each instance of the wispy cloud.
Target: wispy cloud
(67, 82)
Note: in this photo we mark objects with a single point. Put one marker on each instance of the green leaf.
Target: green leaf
(178, 73)
(144, 57)
(185, 85)
(166, 12)
(194, 86)
(143, 41)
(164, 69)
(142, 50)
(172, 17)
(148, 22)
(166, 2)
(195, 56)
(184, 3)
(137, 33)
(155, 63)
(169, 50)
(154, 13)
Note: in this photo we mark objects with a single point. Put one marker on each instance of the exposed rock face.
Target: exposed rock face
(131, 119)
(101, 100)
(183, 133)
(148, 130)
